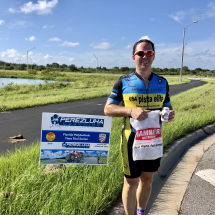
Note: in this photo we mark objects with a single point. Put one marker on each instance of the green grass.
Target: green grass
(27, 188)
(103, 160)
(194, 109)
(85, 86)
(35, 191)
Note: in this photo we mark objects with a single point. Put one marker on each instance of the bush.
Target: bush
(32, 72)
(46, 72)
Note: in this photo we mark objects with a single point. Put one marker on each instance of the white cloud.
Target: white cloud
(178, 17)
(32, 38)
(48, 57)
(128, 47)
(66, 43)
(20, 24)
(54, 39)
(30, 53)
(103, 45)
(10, 53)
(39, 54)
(71, 59)
(212, 12)
(1, 38)
(2, 22)
(41, 7)
(11, 10)
(145, 37)
(48, 26)
(17, 59)
(68, 29)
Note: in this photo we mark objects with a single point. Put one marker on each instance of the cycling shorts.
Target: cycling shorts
(131, 168)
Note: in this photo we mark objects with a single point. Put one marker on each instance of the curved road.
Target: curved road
(28, 121)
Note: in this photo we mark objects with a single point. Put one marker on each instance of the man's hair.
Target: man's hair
(143, 40)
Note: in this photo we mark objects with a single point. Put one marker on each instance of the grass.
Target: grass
(194, 109)
(36, 190)
(85, 86)
(27, 188)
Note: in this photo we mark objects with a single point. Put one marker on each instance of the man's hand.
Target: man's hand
(139, 113)
(171, 115)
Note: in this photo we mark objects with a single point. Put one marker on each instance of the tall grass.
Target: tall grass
(14, 96)
(194, 109)
(27, 188)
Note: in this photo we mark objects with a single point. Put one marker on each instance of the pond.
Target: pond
(5, 81)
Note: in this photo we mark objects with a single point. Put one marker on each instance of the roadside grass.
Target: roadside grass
(85, 86)
(194, 109)
(34, 190)
(27, 188)
(103, 160)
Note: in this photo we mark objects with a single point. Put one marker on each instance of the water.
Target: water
(5, 81)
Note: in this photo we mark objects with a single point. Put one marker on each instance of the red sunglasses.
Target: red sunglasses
(148, 53)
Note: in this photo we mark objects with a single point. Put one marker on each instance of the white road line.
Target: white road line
(208, 175)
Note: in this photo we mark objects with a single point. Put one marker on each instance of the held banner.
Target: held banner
(75, 139)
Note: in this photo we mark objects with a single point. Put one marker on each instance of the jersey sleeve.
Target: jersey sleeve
(116, 93)
(167, 97)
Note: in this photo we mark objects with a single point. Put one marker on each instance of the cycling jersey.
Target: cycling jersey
(131, 91)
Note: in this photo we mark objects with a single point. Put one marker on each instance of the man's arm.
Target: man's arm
(114, 110)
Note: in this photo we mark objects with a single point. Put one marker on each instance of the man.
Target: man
(140, 92)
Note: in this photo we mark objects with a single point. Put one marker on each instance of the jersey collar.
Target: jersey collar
(149, 78)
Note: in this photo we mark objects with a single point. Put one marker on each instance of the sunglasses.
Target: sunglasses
(148, 53)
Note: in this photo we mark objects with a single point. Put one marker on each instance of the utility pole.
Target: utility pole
(97, 62)
(27, 56)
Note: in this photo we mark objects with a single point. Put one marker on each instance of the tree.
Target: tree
(124, 68)
(72, 67)
(165, 70)
(22, 66)
(63, 65)
(55, 65)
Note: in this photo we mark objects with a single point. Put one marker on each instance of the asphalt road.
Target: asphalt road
(28, 121)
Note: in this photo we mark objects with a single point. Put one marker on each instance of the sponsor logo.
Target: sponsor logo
(50, 136)
(147, 99)
(76, 145)
(102, 137)
(148, 134)
(131, 84)
(158, 85)
(76, 121)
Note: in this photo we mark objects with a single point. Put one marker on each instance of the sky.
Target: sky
(97, 32)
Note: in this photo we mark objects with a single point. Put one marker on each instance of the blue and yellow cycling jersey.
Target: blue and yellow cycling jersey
(131, 90)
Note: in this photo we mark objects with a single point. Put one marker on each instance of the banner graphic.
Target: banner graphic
(74, 139)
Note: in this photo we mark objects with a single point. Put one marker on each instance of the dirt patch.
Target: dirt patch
(16, 139)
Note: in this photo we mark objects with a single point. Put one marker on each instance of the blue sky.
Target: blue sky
(70, 32)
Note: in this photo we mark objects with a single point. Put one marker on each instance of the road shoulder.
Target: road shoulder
(171, 195)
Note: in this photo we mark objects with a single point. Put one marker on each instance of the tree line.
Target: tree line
(72, 68)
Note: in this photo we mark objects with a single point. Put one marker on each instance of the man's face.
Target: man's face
(143, 62)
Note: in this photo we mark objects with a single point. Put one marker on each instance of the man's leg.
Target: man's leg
(129, 195)
(144, 189)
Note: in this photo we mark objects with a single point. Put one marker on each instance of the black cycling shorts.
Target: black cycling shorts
(131, 168)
